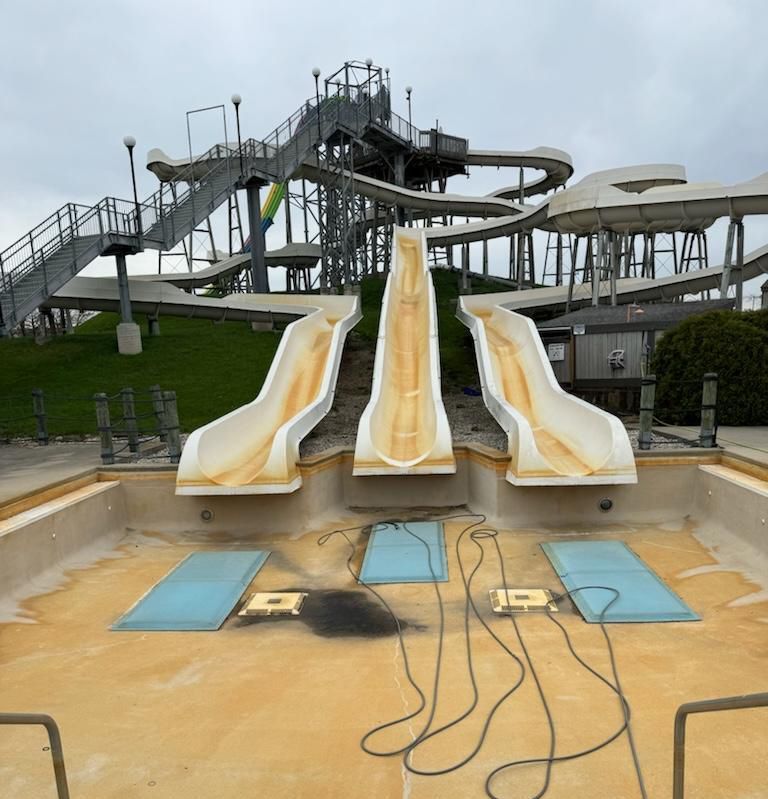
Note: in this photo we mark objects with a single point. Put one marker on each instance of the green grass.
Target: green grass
(213, 368)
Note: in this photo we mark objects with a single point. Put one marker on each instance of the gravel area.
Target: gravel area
(467, 415)
(659, 440)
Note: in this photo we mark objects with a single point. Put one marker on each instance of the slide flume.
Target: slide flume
(404, 429)
(554, 438)
(255, 448)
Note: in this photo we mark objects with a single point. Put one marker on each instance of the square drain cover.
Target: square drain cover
(521, 600)
(276, 604)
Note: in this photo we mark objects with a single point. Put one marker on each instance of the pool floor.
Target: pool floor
(276, 708)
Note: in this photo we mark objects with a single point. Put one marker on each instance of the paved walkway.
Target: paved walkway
(24, 470)
(751, 442)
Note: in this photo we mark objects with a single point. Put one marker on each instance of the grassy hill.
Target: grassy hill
(213, 367)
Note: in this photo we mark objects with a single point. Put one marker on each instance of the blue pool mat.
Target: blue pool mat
(643, 596)
(198, 594)
(395, 556)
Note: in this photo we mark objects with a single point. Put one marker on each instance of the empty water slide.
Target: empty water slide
(404, 429)
(255, 448)
(554, 438)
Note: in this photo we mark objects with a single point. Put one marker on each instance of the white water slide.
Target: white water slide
(255, 448)
(404, 429)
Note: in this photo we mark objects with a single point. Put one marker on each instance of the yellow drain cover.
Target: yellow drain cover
(276, 604)
(521, 600)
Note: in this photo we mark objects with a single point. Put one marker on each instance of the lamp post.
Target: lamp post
(316, 76)
(236, 100)
(130, 143)
(408, 90)
(369, 64)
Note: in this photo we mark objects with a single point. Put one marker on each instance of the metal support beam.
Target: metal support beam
(287, 211)
(597, 265)
(400, 181)
(613, 264)
(259, 277)
(122, 288)
(739, 266)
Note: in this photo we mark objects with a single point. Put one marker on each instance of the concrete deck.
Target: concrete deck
(748, 442)
(25, 470)
(276, 708)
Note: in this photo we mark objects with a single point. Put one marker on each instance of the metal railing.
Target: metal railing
(706, 706)
(54, 738)
(130, 424)
(30, 267)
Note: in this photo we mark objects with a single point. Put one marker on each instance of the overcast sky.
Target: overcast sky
(612, 83)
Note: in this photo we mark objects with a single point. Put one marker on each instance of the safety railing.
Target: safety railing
(25, 270)
(651, 413)
(130, 424)
(706, 706)
(54, 739)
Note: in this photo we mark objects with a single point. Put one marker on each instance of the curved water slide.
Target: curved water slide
(553, 437)
(556, 165)
(619, 205)
(255, 448)
(158, 298)
(404, 428)
(296, 254)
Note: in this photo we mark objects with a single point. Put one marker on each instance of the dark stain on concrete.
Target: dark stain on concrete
(333, 613)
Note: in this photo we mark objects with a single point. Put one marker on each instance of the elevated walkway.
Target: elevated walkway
(40, 263)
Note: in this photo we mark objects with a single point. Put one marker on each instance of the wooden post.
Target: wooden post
(647, 398)
(129, 416)
(104, 428)
(41, 418)
(157, 407)
(172, 425)
(708, 433)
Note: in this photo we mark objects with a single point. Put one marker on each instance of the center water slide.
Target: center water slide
(404, 428)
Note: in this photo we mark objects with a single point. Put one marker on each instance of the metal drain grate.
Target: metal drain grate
(521, 600)
(276, 604)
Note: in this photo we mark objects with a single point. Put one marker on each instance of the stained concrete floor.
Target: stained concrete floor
(276, 708)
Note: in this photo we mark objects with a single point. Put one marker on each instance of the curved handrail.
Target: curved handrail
(54, 737)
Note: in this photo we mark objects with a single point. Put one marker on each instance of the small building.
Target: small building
(601, 353)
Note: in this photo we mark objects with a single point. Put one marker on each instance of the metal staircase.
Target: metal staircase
(43, 261)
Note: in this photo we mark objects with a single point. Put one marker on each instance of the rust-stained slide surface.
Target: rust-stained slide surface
(255, 448)
(404, 428)
(554, 438)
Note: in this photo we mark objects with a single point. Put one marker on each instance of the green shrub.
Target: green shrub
(733, 345)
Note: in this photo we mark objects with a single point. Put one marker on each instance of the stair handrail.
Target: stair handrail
(54, 738)
(277, 156)
(705, 706)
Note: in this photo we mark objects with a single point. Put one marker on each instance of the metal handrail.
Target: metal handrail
(57, 752)
(274, 157)
(705, 706)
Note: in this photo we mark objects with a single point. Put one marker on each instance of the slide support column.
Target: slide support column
(259, 278)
